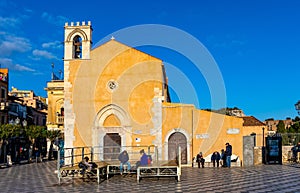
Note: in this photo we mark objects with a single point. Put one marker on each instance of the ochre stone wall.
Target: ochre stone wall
(209, 131)
(137, 75)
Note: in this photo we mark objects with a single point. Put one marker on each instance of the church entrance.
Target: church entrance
(112, 145)
(175, 141)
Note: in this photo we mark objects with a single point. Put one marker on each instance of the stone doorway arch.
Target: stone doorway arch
(100, 131)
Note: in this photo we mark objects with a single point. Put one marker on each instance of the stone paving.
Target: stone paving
(40, 177)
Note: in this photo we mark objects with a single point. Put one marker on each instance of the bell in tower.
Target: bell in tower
(77, 46)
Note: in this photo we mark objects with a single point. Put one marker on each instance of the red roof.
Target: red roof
(252, 121)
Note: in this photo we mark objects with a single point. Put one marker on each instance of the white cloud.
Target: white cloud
(43, 54)
(28, 10)
(54, 45)
(11, 43)
(27, 14)
(56, 20)
(9, 22)
(8, 63)
(23, 68)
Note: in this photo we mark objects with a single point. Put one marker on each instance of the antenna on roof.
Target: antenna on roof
(52, 75)
(60, 72)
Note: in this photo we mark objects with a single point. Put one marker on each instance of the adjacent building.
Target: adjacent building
(25, 105)
(4, 95)
(55, 114)
(271, 124)
(20, 105)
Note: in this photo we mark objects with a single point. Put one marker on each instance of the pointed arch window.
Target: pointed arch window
(77, 46)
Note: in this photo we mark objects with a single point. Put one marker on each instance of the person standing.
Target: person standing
(50, 154)
(200, 159)
(215, 158)
(228, 153)
(124, 159)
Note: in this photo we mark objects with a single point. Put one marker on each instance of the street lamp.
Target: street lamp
(17, 121)
(297, 106)
(263, 137)
(24, 123)
(263, 146)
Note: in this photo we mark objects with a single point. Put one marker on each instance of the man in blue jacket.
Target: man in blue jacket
(144, 159)
(228, 153)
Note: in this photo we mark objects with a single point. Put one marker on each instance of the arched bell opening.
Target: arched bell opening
(77, 47)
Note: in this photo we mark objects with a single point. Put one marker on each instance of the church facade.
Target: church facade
(117, 95)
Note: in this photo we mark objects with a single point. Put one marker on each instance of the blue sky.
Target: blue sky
(256, 44)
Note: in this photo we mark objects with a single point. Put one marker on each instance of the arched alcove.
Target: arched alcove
(111, 120)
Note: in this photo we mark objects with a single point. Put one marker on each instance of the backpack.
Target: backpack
(81, 165)
(94, 165)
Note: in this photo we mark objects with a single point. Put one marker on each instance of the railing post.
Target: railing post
(82, 153)
(92, 153)
(58, 166)
(72, 156)
(179, 156)
(156, 153)
(179, 164)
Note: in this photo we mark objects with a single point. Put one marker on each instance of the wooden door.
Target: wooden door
(112, 145)
(175, 141)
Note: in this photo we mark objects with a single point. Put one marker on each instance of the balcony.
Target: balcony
(60, 120)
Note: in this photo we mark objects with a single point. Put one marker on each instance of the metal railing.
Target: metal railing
(72, 156)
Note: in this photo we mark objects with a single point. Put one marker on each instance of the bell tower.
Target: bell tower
(77, 45)
(78, 40)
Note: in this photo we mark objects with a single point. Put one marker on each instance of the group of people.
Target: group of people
(123, 158)
(216, 157)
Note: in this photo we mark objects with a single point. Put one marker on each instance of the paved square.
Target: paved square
(40, 177)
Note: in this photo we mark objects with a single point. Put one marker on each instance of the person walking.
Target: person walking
(228, 153)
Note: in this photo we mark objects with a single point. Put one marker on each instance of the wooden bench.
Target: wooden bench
(106, 168)
(160, 169)
(113, 167)
(76, 172)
